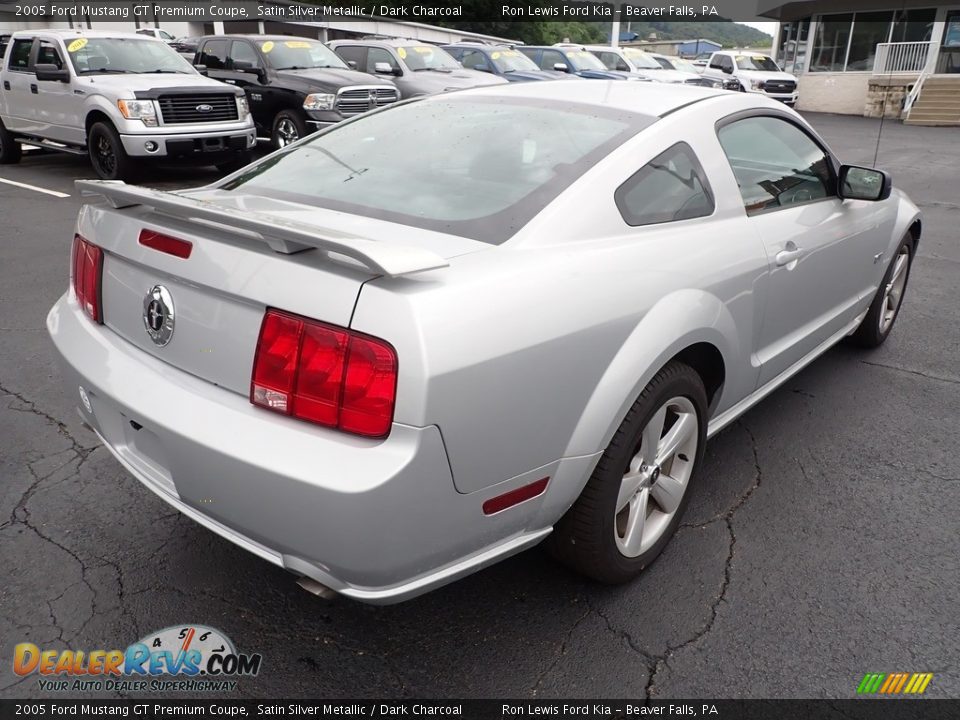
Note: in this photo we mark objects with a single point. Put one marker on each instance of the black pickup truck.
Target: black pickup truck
(294, 86)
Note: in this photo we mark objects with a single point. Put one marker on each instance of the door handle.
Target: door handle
(33, 88)
(6, 84)
(785, 257)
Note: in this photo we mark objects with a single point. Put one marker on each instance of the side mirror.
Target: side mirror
(561, 67)
(482, 68)
(49, 71)
(860, 183)
(202, 69)
(385, 68)
(727, 69)
(352, 64)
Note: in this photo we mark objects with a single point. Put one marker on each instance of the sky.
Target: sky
(768, 27)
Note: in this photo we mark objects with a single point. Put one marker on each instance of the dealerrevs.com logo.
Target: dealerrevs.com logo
(179, 658)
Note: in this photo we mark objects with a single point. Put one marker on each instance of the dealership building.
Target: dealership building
(898, 58)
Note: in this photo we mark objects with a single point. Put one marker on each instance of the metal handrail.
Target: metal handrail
(902, 57)
(914, 93)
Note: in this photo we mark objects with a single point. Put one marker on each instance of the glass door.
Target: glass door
(949, 61)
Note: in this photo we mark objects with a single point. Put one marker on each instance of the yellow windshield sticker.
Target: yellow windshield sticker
(297, 44)
(267, 46)
(495, 56)
(760, 58)
(401, 52)
(423, 50)
(78, 44)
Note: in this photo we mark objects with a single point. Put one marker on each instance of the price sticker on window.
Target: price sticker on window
(267, 46)
(77, 45)
(297, 44)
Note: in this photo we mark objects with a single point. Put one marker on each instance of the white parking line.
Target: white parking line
(34, 188)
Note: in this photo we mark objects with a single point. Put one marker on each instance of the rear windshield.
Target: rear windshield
(476, 167)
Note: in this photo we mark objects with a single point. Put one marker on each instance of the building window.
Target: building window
(792, 53)
(868, 30)
(830, 43)
(848, 42)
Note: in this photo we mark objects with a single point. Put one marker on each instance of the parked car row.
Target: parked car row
(119, 96)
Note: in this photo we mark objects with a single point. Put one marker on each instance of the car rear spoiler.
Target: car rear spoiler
(280, 234)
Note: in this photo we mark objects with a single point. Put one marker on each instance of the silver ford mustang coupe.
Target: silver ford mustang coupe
(428, 338)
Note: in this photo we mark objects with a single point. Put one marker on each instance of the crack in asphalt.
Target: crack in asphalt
(562, 650)
(661, 661)
(938, 378)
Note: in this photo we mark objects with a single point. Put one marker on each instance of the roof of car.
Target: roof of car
(644, 98)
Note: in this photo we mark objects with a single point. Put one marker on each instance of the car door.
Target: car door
(17, 82)
(820, 250)
(54, 100)
(251, 80)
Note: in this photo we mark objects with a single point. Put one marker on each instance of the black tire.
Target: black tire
(240, 159)
(10, 150)
(871, 334)
(110, 161)
(584, 539)
(288, 127)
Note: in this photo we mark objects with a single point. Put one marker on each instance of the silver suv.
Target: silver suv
(117, 97)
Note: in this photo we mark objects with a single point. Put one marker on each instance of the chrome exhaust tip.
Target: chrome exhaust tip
(315, 588)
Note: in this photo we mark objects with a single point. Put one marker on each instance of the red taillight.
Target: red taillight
(324, 374)
(87, 271)
(166, 244)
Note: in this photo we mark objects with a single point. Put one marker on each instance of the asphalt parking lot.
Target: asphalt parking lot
(823, 541)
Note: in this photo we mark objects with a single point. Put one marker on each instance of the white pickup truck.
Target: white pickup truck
(119, 97)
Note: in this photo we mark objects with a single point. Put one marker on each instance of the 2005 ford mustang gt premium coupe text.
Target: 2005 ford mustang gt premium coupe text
(421, 341)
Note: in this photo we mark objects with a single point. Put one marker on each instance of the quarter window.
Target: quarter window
(776, 164)
(670, 187)
(20, 54)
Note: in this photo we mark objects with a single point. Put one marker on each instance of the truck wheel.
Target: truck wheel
(288, 127)
(633, 502)
(110, 161)
(10, 149)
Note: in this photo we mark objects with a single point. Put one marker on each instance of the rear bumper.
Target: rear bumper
(189, 145)
(378, 521)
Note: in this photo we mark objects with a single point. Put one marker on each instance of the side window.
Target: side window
(214, 54)
(726, 63)
(472, 58)
(715, 61)
(551, 58)
(20, 54)
(353, 54)
(616, 62)
(379, 55)
(776, 164)
(49, 55)
(243, 52)
(670, 187)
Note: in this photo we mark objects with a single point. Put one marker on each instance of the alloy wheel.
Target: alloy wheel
(893, 292)
(657, 477)
(286, 132)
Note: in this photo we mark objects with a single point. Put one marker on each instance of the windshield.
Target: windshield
(474, 167)
(125, 55)
(685, 65)
(299, 55)
(640, 59)
(508, 61)
(427, 57)
(584, 60)
(756, 62)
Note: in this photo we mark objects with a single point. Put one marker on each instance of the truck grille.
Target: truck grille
(779, 86)
(355, 100)
(197, 108)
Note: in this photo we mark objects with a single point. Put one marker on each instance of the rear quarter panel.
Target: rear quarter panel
(535, 351)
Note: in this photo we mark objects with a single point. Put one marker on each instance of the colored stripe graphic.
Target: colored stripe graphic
(894, 683)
